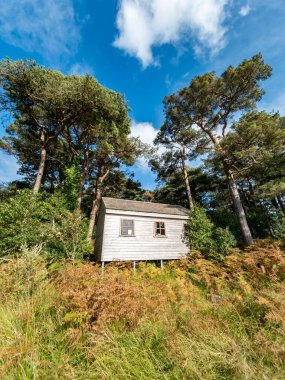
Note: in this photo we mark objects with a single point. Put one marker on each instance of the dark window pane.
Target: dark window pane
(127, 227)
(160, 229)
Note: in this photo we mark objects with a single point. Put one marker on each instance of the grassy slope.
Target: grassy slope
(67, 322)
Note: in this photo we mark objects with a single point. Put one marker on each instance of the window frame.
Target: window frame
(121, 227)
(155, 228)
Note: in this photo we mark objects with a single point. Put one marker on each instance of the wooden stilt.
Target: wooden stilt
(102, 268)
(134, 266)
(161, 264)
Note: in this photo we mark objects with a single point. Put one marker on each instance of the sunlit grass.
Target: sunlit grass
(74, 324)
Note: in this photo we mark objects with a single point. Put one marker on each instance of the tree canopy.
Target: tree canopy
(210, 102)
(64, 121)
(215, 153)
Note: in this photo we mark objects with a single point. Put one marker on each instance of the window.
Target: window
(159, 229)
(127, 227)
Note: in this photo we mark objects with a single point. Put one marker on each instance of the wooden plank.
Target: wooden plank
(145, 214)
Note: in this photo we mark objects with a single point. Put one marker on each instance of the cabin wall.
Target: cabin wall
(144, 245)
(100, 232)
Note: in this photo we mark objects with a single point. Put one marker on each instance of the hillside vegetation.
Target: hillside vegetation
(196, 319)
(219, 314)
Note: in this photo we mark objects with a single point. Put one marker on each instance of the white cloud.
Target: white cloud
(144, 24)
(147, 133)
(80, 69)
(244, 11)
(46, 27)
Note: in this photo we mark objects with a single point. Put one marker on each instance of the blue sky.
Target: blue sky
(145, 49)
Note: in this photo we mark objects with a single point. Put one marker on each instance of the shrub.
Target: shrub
(224, 240)
(24, 275)
(199, 231)
(23, 221)
(68, 236)
(203, 236)
(71, 186)
(28, 220)
(280, 227)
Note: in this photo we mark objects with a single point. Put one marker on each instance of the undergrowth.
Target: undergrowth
(67, 321)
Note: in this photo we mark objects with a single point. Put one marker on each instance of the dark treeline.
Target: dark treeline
(71, 137)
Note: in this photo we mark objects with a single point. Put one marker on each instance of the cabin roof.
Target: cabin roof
(138, 206)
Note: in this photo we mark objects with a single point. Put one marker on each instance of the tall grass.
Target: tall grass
(70, 323)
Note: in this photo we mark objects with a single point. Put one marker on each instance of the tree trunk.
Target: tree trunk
(275, 203)
(238, 207)
(239, 210)
(80, 193)
(95, 206)
(40, 174)
(186, 179)
(281, 203)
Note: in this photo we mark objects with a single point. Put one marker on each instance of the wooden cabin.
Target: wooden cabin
(132, 230)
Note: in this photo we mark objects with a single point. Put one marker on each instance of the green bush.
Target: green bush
(28, 220)
(71, 186)
(68, 237)
(224, 240)
(23, 221)
(203, 236)
(280, 228)
(199, 231)
(24, 275)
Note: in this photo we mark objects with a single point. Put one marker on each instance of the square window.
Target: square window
(159, 229)
(127, 227)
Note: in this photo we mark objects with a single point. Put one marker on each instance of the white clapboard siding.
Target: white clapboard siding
(111, 246)
(146, 214)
